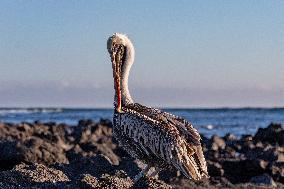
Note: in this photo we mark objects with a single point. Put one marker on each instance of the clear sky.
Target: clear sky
(188, 53)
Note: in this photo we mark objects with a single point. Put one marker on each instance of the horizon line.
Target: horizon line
(166, 107)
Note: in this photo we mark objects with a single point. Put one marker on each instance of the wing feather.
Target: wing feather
(170, 138)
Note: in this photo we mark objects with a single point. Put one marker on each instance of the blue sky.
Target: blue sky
(188, 53)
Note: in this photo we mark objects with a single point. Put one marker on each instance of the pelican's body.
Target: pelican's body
(158, 138)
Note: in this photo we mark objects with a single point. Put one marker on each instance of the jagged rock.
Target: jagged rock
(267, 154)
(107, 181)
(95, 165)
(277, 171)
(10, 154)
(247, 146)
(246, 138)
(215, 169)
(88, 181)
(230, 137)
(31, 150)
(188, 184)
(264, 179)
(274, 133)
(217, 143)
(40, 173)
(230, 140)
(41, 151)
(168, 175)
(229, 152)
(33, 175)
(280, 154)
(150, 184)
(242, 170)
(87, 156)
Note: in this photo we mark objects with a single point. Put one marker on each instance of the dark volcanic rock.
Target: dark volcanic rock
(230, 137)
(10, 154)
(107, 181)
(280, 154)
(96, 166)
(41, 151)
(94, 138)
(264, 179)
(88, 181)
(150, 184)
(238, 171)
(215, 169)
(277, 171)
(168, 175)
(268, 154)
(274, 133)
(217, 143)
(34, 175)
(31, 150)
(50, 155)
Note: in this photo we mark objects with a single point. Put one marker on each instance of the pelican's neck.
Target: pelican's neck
(126, 66)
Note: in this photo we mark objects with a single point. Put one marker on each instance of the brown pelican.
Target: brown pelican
(158, 138)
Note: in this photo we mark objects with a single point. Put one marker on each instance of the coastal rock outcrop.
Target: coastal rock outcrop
(273, 134)
(50, 155)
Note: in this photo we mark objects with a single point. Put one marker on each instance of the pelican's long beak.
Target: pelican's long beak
(116, 76)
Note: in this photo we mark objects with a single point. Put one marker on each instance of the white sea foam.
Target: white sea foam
(8, 111)
(210, 127)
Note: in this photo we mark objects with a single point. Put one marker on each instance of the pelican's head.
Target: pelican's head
(118, 46)
(116, 43)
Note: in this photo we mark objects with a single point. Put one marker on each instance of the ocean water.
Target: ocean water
(218, 121)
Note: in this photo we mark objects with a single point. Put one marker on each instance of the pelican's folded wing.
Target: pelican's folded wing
(185, 128)
(180, 145)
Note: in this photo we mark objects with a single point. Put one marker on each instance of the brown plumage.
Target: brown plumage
(158, 138)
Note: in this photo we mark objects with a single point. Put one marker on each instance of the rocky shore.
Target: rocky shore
(50, 155)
